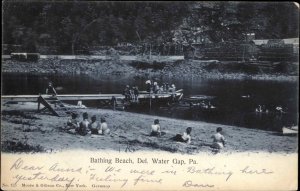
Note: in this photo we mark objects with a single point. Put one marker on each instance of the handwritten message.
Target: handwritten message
(136, 172)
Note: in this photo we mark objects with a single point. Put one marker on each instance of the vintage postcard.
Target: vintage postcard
(149, 95)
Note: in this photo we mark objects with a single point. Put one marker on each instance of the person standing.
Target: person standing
(136, 93)
(167, 87)
(148, 84)
(131, 94)
(126, 93)
(173, 92)
(164, 87)
(155, 87)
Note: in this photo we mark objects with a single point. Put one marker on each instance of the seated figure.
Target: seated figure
(155, 128)
(83, 125)
(218, 139)
(104, 130)
(94, 125)
(185, 137)
(72, 123)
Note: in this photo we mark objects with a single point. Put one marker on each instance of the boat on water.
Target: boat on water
(200, 98)
(155, 99)
(290, 130)
(199, 102)
(163, 96)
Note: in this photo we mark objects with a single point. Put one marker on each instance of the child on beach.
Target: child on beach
(185, 137)
(94, 125)
(218, 140)
(104, 130)
(72, 123)
(155, 128)
(84, 125)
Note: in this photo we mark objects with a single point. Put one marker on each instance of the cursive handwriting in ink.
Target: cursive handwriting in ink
(56, 168)
(144, 180)
(189, 183)
(43, 176)
(211, 171)
(145, 172)
(112, 169)
(108, 178)
(247, 170)
(169, 172)
(19, 164)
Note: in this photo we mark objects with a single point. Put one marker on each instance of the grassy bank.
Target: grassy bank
(187, 68)
(25, 130)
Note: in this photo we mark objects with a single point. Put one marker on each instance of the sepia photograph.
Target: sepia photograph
(150, 86)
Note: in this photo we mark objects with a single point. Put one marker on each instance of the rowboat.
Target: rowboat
(200, 98)
(161, 96)
(291, 130)
(202, 102)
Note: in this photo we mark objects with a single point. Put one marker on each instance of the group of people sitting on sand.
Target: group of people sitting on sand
(86, 126)
(185, 137)
(93, 127)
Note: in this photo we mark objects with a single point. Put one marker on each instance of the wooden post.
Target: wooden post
(150, 100)
(39, 104)
(113, 99)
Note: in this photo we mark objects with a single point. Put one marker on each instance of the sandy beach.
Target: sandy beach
(23, 129)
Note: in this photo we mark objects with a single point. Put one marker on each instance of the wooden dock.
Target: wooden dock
(50, 102)
(62, 97)
(81, 97)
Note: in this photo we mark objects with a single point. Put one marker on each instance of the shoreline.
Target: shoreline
(191, 69)
(130, 131)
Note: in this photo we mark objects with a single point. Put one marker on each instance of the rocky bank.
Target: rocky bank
(282, 71)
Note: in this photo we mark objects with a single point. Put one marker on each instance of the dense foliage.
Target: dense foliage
(72, 25)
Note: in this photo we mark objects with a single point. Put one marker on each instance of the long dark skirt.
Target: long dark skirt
(178, 138)
(94, 131)
(156, 134)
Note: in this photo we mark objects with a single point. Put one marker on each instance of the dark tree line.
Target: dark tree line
(67, 26)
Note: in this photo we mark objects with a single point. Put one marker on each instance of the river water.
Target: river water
(235, 100)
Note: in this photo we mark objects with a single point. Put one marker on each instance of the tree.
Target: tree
(69, 25)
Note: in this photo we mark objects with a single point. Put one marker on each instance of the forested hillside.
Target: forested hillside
(74, 25)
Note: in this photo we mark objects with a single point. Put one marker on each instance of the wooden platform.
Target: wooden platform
(68, 97)
(49, 102)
